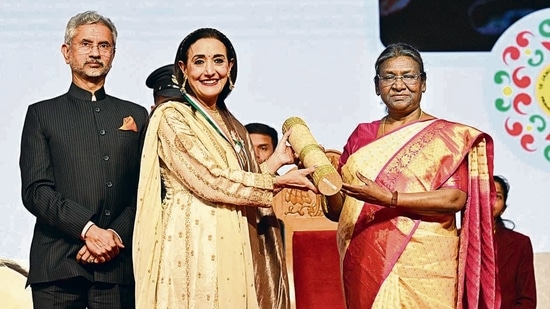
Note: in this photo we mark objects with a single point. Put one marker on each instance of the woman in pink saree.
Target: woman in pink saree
(405, 178)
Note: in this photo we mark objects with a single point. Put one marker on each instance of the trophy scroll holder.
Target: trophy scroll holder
(325, 178)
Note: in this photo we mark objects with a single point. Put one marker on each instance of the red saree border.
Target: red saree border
(361, 286)
(477, 269)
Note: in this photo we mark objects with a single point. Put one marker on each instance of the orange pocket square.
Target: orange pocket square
(128, 124)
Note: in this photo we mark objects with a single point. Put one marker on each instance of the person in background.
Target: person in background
(405, 178)
(516, 272)
(213, 240)
(79, 163)
(163, 83)
(264, 140)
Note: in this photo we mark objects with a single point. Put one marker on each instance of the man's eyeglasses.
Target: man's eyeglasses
(85, 47)
(390, 79)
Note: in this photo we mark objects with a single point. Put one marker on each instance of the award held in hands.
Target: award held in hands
(325, 178)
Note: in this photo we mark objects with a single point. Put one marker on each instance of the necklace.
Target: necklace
(217, 121)
(233, 138)
(385, 118)
(216, 114)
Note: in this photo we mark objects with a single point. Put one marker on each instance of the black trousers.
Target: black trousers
(80, 293)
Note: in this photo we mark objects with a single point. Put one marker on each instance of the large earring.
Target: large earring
(231, 86)
(182, 88)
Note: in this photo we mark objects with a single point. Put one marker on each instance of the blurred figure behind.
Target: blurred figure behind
(264, 140)
(163, 83)
(516, 272)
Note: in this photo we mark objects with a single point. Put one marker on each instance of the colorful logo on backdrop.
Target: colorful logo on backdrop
(521, 87)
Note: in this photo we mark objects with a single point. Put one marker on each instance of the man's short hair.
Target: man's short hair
(260, 128)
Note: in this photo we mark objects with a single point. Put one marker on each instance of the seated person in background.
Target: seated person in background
(264, 140)
(163, 85)
(514, 256)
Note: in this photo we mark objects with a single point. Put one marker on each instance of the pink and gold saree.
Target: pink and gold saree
(393, 259)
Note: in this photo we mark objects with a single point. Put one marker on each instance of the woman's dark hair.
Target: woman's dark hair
(505, 190)
(182, 55)
(396, 50)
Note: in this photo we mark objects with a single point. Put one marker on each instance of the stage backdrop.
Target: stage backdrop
(308, 58)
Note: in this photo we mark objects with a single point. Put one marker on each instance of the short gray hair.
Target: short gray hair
(88, 18)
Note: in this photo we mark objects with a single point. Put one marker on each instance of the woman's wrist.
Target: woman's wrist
(272, 165)
(275, 181)
(276, 186)
(393, 200)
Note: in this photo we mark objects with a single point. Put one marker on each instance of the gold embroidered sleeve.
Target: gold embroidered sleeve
(264, 168)
(195, 155)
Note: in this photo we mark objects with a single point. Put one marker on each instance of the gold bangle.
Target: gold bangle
(393, 201)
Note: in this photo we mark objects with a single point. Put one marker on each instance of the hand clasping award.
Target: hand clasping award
(325, 178)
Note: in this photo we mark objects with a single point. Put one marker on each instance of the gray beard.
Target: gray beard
(92, 72)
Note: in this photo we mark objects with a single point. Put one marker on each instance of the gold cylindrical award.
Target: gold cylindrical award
(325, 178)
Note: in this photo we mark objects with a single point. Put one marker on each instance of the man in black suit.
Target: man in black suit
(79, 165)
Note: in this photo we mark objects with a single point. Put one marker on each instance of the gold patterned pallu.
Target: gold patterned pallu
(392, 259)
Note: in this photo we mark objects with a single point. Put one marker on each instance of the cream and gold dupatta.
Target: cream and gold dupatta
(230, 228)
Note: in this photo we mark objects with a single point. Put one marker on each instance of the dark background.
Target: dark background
(453, 25)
